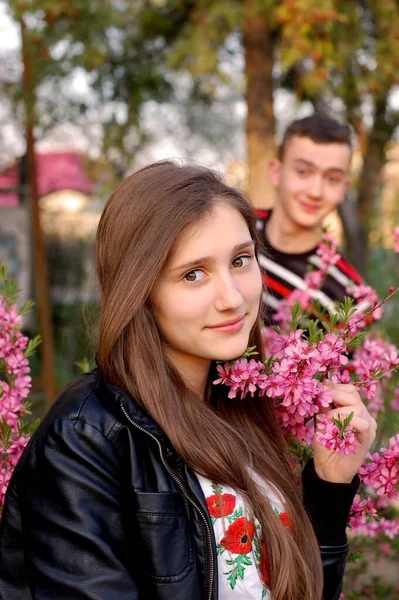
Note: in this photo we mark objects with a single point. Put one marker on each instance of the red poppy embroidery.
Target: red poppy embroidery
(221, 505)
(264, 566)
(285, 519)
(239, 536)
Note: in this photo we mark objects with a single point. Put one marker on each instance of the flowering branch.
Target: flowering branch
(15, 349)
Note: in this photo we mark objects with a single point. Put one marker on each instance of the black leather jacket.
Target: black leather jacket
(100, 507)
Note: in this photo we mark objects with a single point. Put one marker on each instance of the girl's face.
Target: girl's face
(207, 298)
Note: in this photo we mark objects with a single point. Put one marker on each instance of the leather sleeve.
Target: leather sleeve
(328, 506)
(71, 507)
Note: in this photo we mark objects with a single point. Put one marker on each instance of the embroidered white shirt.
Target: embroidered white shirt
(242, 563)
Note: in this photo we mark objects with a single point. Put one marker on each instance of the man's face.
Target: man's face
(311, 180)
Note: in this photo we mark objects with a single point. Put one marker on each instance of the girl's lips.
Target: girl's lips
(309, 207)
(229, 326)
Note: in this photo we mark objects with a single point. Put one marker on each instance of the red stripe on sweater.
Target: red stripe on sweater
(262, 213)
(276, 286)
(349, 270)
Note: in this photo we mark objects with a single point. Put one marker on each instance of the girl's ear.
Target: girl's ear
(274, 172)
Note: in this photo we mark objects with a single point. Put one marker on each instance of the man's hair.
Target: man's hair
(320, 128)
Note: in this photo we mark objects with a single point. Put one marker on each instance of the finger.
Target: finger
(343, 411)
(364, 431)
(364, 428)
(343, 387)
(343, 398)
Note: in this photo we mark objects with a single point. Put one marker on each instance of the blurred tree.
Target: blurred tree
(121, 57)
(342, 56)
(275, 36)
(362, 73)
(324, 50)
(131, 48)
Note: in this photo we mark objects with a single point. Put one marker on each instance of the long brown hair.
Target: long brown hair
(220, 439)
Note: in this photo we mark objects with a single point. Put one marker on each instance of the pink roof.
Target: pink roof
(56, 171)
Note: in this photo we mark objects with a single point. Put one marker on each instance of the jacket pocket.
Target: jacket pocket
(166, 553)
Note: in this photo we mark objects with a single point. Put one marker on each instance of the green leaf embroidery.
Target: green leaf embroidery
(257, 552)
(217, 489)
(220, 549)
(236, 515)
(238, 571)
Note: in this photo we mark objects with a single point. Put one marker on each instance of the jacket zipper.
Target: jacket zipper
(182, 487)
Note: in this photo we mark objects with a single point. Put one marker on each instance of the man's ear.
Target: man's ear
(274, 172)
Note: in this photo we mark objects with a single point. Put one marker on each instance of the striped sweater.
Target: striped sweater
(282, 273)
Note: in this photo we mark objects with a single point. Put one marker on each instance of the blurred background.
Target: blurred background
(91, 90)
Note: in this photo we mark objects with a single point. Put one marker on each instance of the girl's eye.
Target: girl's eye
(241, 261)
(194, 276)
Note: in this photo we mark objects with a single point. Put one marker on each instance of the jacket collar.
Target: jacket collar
(136, 412)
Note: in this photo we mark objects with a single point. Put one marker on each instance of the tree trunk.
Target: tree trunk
(260, 125)
(373, 161)
(357, 216)
(355, 234)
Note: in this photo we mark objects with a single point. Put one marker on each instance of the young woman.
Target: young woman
(144, 481)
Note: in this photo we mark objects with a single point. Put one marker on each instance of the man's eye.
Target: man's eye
(194, 276)
(241, 261)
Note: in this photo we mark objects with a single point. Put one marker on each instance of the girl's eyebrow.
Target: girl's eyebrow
(208, 259)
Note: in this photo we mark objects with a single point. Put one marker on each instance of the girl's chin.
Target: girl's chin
(228, 355)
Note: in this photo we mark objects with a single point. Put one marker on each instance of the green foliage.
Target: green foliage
(8, 287)
(84, 365)
(342, 425)
(32, 345)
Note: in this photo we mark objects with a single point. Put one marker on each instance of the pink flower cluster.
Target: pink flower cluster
(14, 389)
(327, 251)
(377, 528)
(14, 363)
(367, 298)
(292, 380)
(362, 512)
(243, 377)
(290, 377)
(381, 470)
(373, 359)
(338, 439)
(313, 280)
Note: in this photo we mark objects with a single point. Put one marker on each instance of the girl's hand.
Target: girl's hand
(330, 465)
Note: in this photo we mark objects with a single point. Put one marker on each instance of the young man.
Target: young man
(311, 177)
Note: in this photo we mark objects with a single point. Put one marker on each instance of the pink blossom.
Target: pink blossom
(381, 470)
(16, 449)
(328, 434)
(377, 529)
(373, 359)
(244, 377)
(314, 279)
(5, 476)
(327, 251)
(14, 389)
(362, 511)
